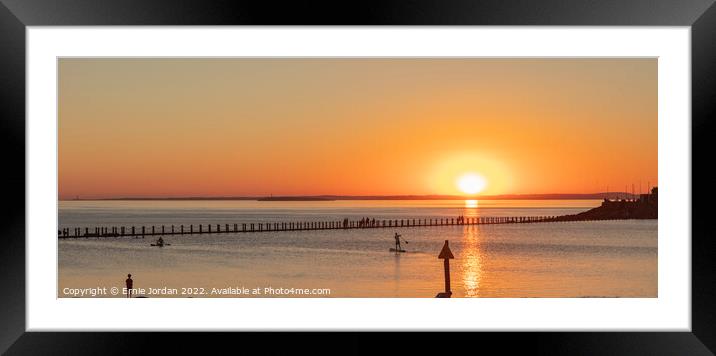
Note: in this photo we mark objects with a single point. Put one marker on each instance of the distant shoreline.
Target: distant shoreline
(592, 196)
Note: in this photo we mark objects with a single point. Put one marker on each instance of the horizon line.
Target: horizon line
(536, 196)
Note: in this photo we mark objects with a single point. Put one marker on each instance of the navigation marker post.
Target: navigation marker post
(446, 255)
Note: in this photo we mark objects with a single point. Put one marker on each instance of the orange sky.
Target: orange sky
(220, 127)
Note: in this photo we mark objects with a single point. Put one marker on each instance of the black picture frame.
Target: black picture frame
(16, 15)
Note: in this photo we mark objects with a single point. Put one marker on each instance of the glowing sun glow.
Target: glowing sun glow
(471, 183)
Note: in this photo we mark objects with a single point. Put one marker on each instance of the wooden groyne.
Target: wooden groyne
(644, 208)
(202, 229)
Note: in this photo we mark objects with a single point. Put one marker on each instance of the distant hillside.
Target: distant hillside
(291, 198)
(647, 207)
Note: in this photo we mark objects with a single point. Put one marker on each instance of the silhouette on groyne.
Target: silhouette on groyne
(646, 207)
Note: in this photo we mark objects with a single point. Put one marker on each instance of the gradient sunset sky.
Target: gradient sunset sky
(360, 126)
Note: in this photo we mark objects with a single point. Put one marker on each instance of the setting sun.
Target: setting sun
(471, 183)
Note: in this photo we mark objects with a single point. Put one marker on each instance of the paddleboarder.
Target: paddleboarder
(397, 242)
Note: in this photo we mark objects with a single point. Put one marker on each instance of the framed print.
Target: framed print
(296, 170)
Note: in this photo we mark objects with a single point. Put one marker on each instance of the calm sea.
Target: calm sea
(574, 259)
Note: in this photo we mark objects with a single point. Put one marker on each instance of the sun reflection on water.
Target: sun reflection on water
(470, 204)
(471, 262)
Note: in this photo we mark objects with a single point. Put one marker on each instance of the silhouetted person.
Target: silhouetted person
(130, 283)
(397, 242)
(160, 241)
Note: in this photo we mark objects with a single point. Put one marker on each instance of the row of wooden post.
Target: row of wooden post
(293, 226)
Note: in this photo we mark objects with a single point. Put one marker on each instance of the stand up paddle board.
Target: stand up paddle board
(394, 250)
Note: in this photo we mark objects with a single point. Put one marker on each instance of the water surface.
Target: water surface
(572, 259)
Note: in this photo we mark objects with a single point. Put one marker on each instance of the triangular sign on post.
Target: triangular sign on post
(445, 253)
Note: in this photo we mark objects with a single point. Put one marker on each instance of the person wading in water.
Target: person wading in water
(130, 283)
